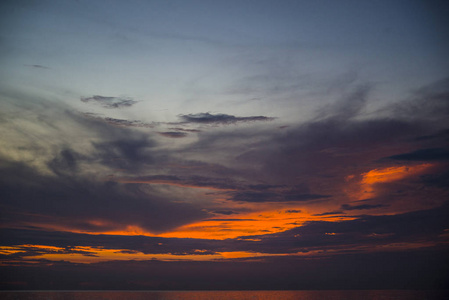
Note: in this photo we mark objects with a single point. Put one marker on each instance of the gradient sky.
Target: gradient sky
(224, 144)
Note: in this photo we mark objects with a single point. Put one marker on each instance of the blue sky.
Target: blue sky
(256, 57)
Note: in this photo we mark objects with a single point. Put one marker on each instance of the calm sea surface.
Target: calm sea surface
(219, 295)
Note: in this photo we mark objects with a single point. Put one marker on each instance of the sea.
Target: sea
(227, 295)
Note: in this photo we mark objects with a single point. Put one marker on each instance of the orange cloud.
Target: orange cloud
(390, 174)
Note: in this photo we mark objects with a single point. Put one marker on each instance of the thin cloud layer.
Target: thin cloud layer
(110, 102)
(208, 118)
(173, 134)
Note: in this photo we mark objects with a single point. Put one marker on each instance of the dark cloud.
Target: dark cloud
(65, 161)
(443, 134)
(361, 206)
(249, 196)
(208, 118)
(426, 228)
(84, 203)
(110, 102)
(224, 212)
(143, 244)
(341, 141)
(173, 134)
(432, 154)
(354, 241)
(132, 152)
(28, 250)
(129, 123)
(191, 181)
(121, 122)
(184, 129)
(330, 213)
(38, 67)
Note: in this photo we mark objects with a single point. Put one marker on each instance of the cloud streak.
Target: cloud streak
(208, 118)
(110, 102)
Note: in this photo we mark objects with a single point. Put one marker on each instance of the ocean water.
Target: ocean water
(226, 295)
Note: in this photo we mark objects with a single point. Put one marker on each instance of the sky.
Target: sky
(224, 144)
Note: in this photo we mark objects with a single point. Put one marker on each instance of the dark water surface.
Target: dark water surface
(219, 295)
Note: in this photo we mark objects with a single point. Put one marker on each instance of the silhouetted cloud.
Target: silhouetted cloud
(208, 118)
(129, 123)
(122, 122)
(224, 212)
(361, 206)
(173, 134)
(110, 102)
(431, 154)
(330, 213)
(74, 201)
(249, 196)
(184, 129)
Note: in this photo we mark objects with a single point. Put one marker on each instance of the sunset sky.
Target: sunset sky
(224, 144)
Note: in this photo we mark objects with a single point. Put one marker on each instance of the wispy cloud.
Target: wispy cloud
(361, 206)
(430, 154)
(173, 134)
(208, 118)
(250, 196)
(110, 102)
(38, 67)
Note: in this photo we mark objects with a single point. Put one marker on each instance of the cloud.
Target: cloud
(302, 170)
(185, 181)
(208, 118)
(330, 213)
(430, 154)
(76, 202)
(424, 228)
(173, 134)
(186, 130)
(361, 206)
(250, 196)
(350, 105)
(110, 102)
(122, 122)
(429, 103)
(224, 212)
(131, 152)
(129, 123)
(38, 66)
